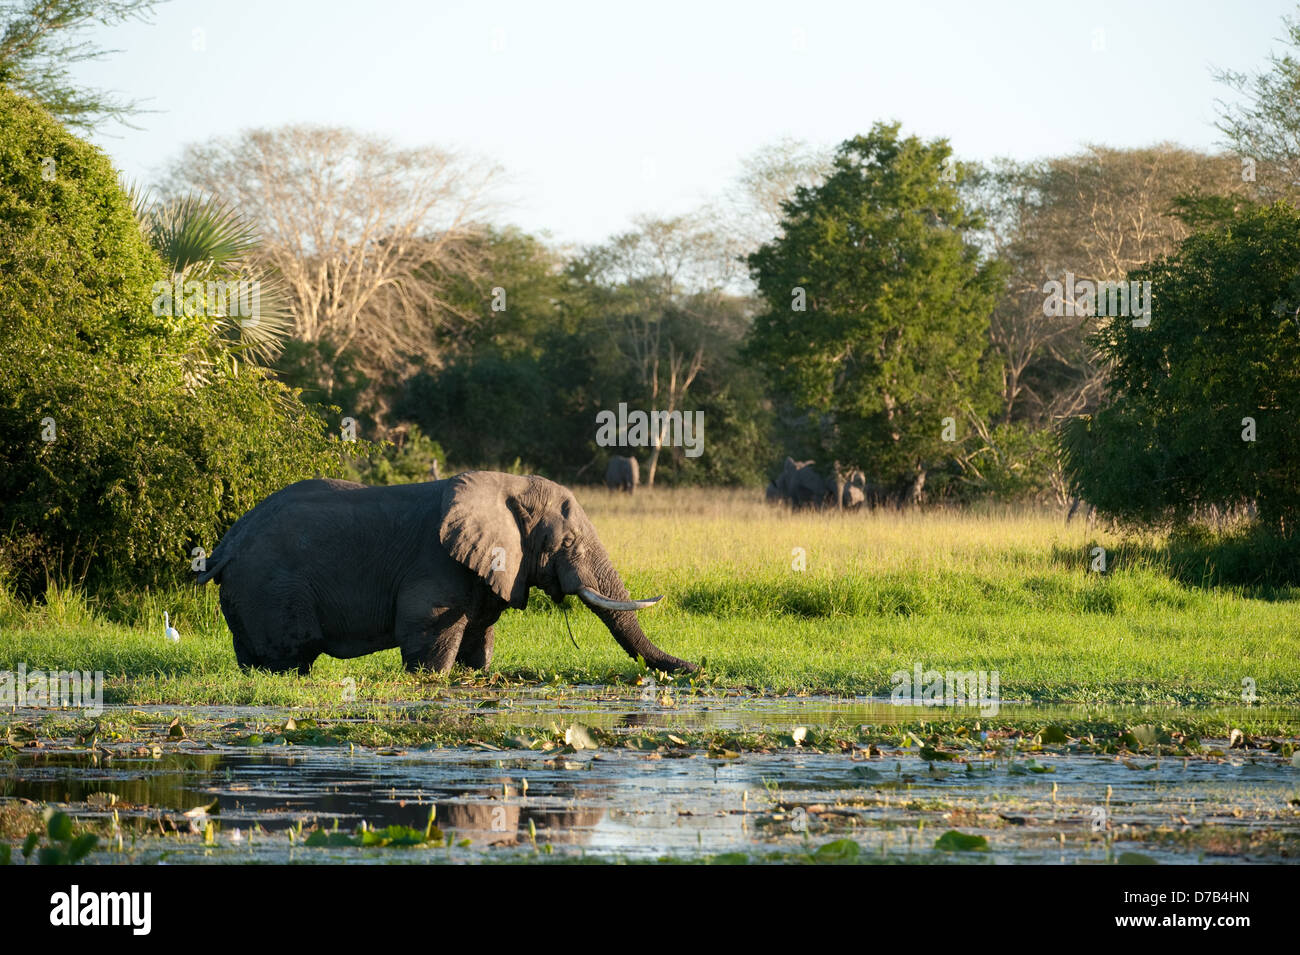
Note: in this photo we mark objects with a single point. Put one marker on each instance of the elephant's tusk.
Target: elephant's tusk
(596, 600)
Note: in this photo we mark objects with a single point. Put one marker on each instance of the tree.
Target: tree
(38, 42)
(1264, 129)
(1200, 406)
(527, 357)
(115, 463)
(768, 179)
(1096, 215)
(210, 250)
(362, 233)
(577, 338)
(662, 286)
(877, 306)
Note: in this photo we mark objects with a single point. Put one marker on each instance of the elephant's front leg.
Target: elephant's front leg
(476, 646)
(434, 642)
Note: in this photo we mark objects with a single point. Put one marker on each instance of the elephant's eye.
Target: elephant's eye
(569, 540)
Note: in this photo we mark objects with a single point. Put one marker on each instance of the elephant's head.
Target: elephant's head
(520, 532)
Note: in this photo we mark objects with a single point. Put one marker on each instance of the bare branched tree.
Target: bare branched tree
(672, 273)
(1099, 215)
(360, 231)
(769, 177)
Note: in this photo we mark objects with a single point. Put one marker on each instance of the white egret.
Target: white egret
(170, 632)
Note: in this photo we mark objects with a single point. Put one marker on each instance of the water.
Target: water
(681, 802)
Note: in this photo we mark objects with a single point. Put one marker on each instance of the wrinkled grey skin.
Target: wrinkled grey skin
(622, 474)
(340, 568)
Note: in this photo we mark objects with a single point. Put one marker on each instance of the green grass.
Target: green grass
(1006, 591)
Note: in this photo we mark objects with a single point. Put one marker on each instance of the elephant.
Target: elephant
(848, 487)
(622, 474)
(1089, 511)
(800, 486)
(335, 567)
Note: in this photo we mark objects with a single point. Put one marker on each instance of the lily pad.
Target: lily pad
(1148, 734)
(1135, 858)
(1030, 766)
(841, 850)
(930, 753)
(1052, 735)
(954, 841)
(58, 825)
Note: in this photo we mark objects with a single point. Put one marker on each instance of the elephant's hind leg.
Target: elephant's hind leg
(283, 639)
(244, 653)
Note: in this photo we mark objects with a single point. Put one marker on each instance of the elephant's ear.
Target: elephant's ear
(483, 527)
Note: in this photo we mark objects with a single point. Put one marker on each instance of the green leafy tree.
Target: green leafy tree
(661, 290)
(1201, 405)
(877, 306)
(115, 463)
(410, 457)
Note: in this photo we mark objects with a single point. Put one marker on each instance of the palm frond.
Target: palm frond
(208, 242)
(193, 231)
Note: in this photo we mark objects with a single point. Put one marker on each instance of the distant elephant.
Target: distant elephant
(800, 486)
(622, 474)
(848, 487)
(853, 496)
(912, 491)
(335, 567)
(1076, 502)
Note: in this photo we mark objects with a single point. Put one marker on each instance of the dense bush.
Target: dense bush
(1201, 404)
(407, 459)
(115, 459)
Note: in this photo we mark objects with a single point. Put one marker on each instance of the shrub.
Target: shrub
(1201, 404)
(114, 462)
(407, 461)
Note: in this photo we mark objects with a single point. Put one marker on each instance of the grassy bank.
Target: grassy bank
(879, 592)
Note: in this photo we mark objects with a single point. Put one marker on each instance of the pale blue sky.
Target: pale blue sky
(579, 101)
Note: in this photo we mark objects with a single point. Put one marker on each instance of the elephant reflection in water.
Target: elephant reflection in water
(506, 824)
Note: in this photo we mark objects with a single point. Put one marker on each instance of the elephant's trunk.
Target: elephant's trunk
(623, 624)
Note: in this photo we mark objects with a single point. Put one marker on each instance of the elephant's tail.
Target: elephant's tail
(224, 552)
(216, 563)
(220, 558)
